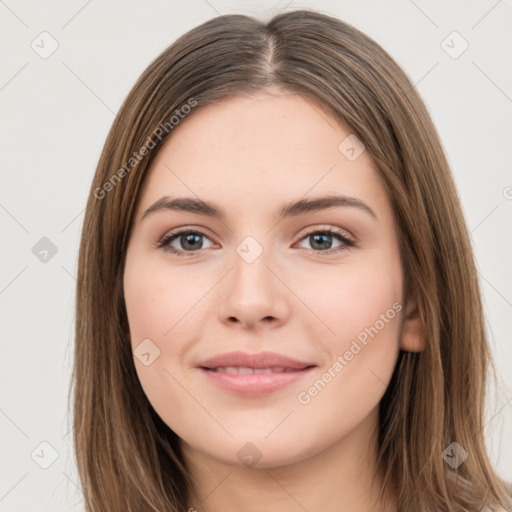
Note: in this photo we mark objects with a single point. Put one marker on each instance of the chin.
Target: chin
(255, 451)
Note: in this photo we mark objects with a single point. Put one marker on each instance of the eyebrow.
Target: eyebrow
(292, 209)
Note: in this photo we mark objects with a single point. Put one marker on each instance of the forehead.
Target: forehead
(254, 132)
(267, 147)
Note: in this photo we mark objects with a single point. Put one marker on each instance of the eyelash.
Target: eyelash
(166, 240)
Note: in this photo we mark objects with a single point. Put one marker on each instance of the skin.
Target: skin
(251, 154)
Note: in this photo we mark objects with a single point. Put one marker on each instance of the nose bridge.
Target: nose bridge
(252, 280)
(252, 292)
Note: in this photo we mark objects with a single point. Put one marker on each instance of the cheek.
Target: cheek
(351, 298)
(170, 307)
(157, 300)
(361, 306)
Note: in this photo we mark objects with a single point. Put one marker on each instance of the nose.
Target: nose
(253, 295)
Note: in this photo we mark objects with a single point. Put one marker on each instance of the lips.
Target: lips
(245, 370)
(240, 362)
(253, 375)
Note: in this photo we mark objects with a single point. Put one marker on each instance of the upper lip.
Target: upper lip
(259, 360)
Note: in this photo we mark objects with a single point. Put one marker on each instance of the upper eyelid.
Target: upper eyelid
(182, 230)
(328, 227)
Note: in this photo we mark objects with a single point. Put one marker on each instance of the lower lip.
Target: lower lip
(254, 384)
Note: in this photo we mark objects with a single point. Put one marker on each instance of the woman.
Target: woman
(277, 303)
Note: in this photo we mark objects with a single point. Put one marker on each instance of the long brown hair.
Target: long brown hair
(128, 459)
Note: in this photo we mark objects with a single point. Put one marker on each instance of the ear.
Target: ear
(413, 334)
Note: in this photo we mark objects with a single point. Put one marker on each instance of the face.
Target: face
(320, 285)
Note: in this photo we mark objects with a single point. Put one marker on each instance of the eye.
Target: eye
(321, 239)
(190, 241)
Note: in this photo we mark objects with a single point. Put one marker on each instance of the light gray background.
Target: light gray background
(56, 113)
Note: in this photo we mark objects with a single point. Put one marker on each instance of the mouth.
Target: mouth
(256, 374)
(248, 371)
